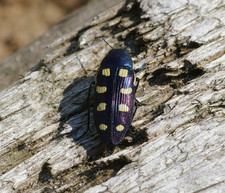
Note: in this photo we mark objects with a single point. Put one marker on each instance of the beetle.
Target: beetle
(114, 97)
(114, 102)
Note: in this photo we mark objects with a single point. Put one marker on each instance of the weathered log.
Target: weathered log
(180, 134)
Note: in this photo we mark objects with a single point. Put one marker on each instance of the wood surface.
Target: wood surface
(180, 133)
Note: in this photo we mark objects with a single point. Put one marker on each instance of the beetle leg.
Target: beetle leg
(129, 129)
(136, 106)
(136, 101)
(138, 80)
(141, 68)
(88, 99)
(139, 103)
(89, 92)
(132, 133)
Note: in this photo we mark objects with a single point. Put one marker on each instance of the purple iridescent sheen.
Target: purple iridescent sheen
(115, 60)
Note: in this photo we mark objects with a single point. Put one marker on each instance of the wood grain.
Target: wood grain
(180, 134)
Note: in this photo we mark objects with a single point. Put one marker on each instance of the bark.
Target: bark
(180, 136)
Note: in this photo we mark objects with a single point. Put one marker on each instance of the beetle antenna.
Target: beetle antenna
(102, 37)
(82, 66)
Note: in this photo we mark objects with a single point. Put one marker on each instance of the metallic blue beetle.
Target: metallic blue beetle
(114, 97)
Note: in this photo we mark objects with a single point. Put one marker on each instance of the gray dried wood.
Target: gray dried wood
(180, 132)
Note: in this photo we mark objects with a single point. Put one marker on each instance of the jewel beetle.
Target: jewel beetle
(114, 102)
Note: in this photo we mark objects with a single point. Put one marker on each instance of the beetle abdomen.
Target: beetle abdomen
(114, 96)
(122, 104)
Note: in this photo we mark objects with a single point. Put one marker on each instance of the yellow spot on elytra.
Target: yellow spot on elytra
(126, 90)
(135, 82)
(106, 72)
(101, 89)
(133, 65)
(101, 107)
(123, 72)
(103, 127)
(120, 128)
(123, 108)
